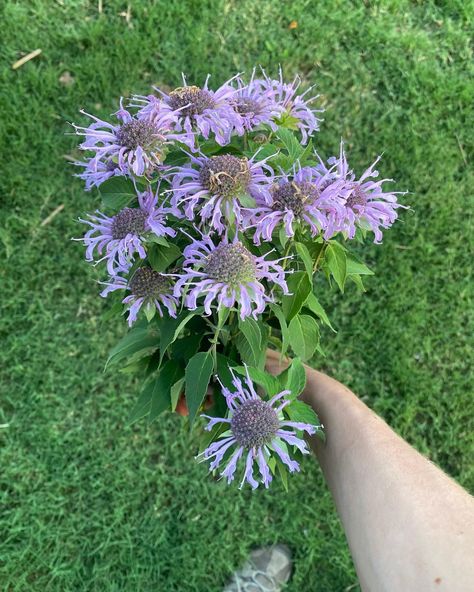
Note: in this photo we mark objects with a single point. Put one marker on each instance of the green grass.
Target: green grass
(88, 504)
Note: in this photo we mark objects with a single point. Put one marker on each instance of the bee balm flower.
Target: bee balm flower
(148, 288)
(134, 145)
(257, 431)
(118, 238)
(228, 273)
(210, 188)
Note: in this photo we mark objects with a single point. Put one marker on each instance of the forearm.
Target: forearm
(409, 526)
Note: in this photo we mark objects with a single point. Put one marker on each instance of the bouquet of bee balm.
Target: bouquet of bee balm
(216, 212)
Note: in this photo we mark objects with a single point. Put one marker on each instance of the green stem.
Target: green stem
(318, 258)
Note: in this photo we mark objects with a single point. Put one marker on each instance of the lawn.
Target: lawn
(89, 504)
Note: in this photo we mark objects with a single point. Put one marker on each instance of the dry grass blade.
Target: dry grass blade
(29, 56)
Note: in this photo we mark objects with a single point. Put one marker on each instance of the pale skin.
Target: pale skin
(409, 526)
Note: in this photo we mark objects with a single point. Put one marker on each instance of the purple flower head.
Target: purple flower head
(295, 110)
(147, 288)
(305, 197)
(229, 274)
(118, 238)
(209, 187)
(196, 109)
(136, 144)
(363, 202)
(257, 431)
(97, 172)
(254, 106)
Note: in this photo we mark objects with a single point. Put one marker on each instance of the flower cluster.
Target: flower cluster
(213, 199)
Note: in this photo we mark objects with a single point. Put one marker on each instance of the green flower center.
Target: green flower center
(225, 175)
(254, 423)
(231, 264)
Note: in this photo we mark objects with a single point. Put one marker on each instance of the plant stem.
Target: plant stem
(318, 258)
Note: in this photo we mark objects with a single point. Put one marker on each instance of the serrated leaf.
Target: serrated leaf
(223, 370)
(282, 236)
(150, 311)
(139, 340)
(304, 336)
(291, 143)
(303, 252)
(314, 306)
(283, 472)
(335, 258)
(186, 347)
(300, 287)
(295, 378)
(354, 266)
(197, 376)
(117, 192)
(251, 331)
(160, 387)
(301, 412)
(161, 257)
(357, 281)
(159, 240)
(141, 407)
(175, 392)
(269, 383)
(285, 335)
(247, 201)
(170, 328)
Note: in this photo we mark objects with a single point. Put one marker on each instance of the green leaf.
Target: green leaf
(285, 334)
(304, 336)
(314, 306)
(300, 287)
(335, 258)
(283, 472)
(301, 412)
(251, 331)
(150, 310)
(282, 236)
(117, 192)
(357, 281)
(170, 328)
(161, 257)
(159, 240)
(223, 371)
(295, 378)
(291, 143)
(175, 391)
(197, 376)
(160, 387)
(247, 201)
(306, 258)
(141, 407)
(269, 383)
(187, 346)
(139, 341)
(354, 266)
